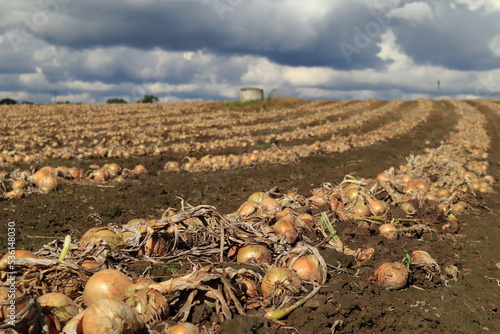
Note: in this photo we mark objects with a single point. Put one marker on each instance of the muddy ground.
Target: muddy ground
(348, 303)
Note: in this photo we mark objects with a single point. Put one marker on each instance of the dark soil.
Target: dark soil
(348, 303)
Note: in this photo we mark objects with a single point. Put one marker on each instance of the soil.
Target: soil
(348, 303)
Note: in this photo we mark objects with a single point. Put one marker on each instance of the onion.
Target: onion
(384, 177)
(279, 280)
(60, 306)
(47, 183)
(286, 229)
(388, 230)
(15, 194)
(392, 275)
(376, 206)
(459, 207)
(4, 262)
(156, 245)
(359, 210)
(108, 283)
(254, 254)
(408, 208)
(98, 236)
(249, 209)
(150, 304)
(140, 170)
(423, 259)
(443, 193)
(172, 166)
(75, 173)
(258, 196)
(38, 175)
(269, 204)
(422, 185)
(110, 316)
(307, 267)
(304, 220)
(19, 184)
(183, 328)
(113, 169)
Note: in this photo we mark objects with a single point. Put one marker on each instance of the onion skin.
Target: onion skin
(392, 275)
(108, 283)
(110, 316)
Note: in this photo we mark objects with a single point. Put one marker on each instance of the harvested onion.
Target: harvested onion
(280, 280)
(388, 230)
(307, 267)
(254, 254)
(110, 316)
(108, 283)
(393, 275)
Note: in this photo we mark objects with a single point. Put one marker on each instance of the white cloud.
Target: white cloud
(488, 5)
(414, 12)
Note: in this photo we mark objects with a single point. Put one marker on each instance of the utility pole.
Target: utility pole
(438, 89)
(54, 94)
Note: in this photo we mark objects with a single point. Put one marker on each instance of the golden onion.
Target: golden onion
(254, 254)
(107, 283)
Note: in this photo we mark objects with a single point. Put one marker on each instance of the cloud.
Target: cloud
(208, 49)
(414, 12)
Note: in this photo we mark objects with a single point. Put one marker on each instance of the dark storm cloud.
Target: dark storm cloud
(270, 29)
(456, 38)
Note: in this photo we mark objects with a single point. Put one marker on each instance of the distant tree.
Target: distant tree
(63, 102)
(27, 102)
(148, 99)
(8, 101)
(116, 100)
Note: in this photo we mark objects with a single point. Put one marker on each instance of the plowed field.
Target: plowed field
(228, 151)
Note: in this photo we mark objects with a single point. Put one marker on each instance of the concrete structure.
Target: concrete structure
(251, 93)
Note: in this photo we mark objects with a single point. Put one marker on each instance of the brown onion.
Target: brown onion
(108, 283)
(110, 316)
(304, 220)
(280, 280)
(98, 236)
(307, 267)
(258, 196)
(140, 170)
(423, 259)
(392, 275)
(150, 304)
(47, 183)
(286, 229)
(19, 184)
(254, 254)
(60, 305)
(388, 230)
(38, 175)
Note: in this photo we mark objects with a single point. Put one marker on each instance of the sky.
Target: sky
(189, 50)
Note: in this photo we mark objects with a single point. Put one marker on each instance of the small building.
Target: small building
(251, 93)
